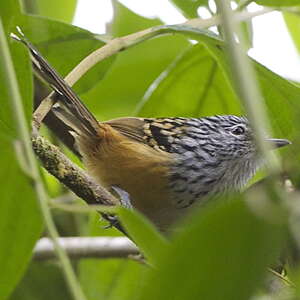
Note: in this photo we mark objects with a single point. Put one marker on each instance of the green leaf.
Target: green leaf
(189, 7)
(144, 234)
(43, 280)
(57, 41)
(278, 2)
(222, 252)
(126, 21)
(292, 20)
(109, 279)
(194, 85)
(56, 9)
(20, 220)
(134, 69)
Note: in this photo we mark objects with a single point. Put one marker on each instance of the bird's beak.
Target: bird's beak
(278, 143)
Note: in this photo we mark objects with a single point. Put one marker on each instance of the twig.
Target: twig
(13, 88)
(216, 20)
(119, 44)
(87, 247)
(41, 112)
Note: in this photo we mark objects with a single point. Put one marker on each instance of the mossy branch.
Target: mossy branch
(73, 177)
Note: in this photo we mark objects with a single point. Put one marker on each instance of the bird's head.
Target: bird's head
(232, 138)
(226, 152)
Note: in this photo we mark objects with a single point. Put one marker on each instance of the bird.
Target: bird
(163, 166)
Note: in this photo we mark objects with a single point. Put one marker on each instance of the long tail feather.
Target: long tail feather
(82, 119)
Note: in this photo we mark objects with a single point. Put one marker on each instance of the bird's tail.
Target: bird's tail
(69, 108)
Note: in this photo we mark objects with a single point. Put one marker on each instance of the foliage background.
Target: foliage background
(222, 251)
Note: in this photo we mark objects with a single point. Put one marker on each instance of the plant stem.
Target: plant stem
(22, 129)
(125, 42)
(87, 247)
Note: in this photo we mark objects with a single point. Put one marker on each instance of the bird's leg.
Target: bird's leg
(123, 196)
(125, 202)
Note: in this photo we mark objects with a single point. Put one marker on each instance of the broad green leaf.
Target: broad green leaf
(109, 279)
(134, 69)
(222, 252)
(20, 221)
(277, 2)
(144, 234)
(189, 7)
(57, 41)
(194, 85)
(43, 280)
(292, 20)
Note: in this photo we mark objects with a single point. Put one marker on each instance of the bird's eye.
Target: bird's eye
(238, 130)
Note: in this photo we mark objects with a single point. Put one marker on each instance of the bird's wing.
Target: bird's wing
(158, 133)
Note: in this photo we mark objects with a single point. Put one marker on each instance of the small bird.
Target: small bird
(164, 165)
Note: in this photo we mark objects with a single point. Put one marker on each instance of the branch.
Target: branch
(87, 247)
(61, 167)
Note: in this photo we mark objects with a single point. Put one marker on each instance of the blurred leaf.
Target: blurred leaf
(277, 2)
(293, 24)
(43, 280)
(144, 234)
(109, 279)
(134, 69)
(221, 253)
(189, 7)
(20, 221)
(57, 41)
(56, 9)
